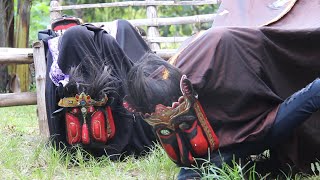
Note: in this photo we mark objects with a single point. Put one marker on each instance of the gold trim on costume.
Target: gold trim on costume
(202, 119)
(165, 115)
(81, 100)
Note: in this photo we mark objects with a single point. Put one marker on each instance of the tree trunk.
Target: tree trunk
(21, 41)
(6, 37)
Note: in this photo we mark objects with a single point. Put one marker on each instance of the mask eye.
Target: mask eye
(165, 132)
(184, 126)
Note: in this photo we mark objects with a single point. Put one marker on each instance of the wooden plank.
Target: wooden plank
(16, 56)
(16, 50)
(18, 99)
(166, 53)
(8, 58)
(167, 21)
(40, 76)
(166, 39)
(135, 3)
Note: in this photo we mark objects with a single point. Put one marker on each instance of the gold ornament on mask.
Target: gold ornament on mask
(165, 115)
(82, 100)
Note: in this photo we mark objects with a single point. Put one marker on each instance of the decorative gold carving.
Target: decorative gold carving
(82, 100)
(164, 115)
(203, 119)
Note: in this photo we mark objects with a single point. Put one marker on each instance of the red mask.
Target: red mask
(63, 23)
(87, 121)
(183, 129)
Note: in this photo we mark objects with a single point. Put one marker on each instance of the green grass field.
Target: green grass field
(24, 155)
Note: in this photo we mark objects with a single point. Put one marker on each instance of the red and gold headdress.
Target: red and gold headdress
(101, 127)
(165, 115)
(80, 100)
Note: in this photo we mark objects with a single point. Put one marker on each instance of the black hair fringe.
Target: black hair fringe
(146, 91)
(91, 78)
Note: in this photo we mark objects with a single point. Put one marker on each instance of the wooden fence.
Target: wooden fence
(36, 54)
(152, 21)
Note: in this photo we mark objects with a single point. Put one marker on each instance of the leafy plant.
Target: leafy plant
(235, 171)
(39, 18)
(315, 167)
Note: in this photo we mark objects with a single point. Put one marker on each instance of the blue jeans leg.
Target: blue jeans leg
(296, 109)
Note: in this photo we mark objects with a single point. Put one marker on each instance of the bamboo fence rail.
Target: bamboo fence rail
(166, 21)
(18, 99)
(16, 56)
(135, 3)
(166, 39)
(166, 53)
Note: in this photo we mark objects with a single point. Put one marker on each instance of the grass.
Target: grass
(24, 155)
(236, 171)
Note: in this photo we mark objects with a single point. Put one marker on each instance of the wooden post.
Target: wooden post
(40, 76)
(152, 30)
(53, 13)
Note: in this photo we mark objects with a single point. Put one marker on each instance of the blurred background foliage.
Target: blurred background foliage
(40, 17)
(20, 21)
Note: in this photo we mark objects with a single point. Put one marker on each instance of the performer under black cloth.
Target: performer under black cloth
(235, 98)
(86, 67)
(246, 89)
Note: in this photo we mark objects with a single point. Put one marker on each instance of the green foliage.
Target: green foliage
(235, 171)
(39, 18)
(110, 14)
(181, 11)
(315, 167)
(104, 14)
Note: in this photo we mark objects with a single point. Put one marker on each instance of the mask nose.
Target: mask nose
(186, 157)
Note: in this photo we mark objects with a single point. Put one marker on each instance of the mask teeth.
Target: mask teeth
(125, 105)
(181, 99)
(147, 115)
(175, 104)
(186, 89)
(128, 107)
(181, 83)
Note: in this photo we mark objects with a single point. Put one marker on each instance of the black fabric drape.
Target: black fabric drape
(133, 135)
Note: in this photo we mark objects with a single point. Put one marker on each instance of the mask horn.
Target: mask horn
(187, 88)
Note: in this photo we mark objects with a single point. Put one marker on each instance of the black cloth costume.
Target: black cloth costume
(133, 135)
